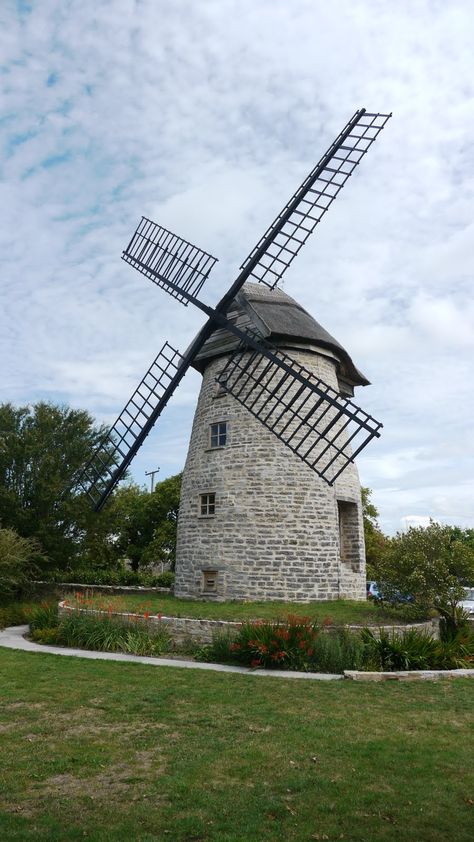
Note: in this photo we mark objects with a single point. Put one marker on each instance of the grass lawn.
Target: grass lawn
(104, 751)
(340, 610)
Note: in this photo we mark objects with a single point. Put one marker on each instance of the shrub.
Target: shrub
(17, 561)
(107, 634)
(117, 576)
(14, 614)
(338, 651)
(275, 645)
(430, 564)
(415, 650)
(44, 616)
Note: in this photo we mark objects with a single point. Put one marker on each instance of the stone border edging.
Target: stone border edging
(408, 675)
(202, 630)
(139, 589)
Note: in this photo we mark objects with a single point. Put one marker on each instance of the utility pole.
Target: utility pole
(152, 480)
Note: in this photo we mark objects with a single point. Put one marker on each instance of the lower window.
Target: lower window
(207, 504)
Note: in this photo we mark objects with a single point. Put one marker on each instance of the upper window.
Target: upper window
(207, 504)
(218, 434)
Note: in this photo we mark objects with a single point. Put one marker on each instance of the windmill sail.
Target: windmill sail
(164, 257)
(324, 429)
(114, 454)
(282, 241)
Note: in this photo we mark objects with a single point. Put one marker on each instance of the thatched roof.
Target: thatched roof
(284, 323)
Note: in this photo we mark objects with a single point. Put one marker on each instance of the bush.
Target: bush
(416, 650)
(114, 577)
(431, 564)
(44, 616)
(17, 561)
(338, 651)
(104, 634)
(14, 614)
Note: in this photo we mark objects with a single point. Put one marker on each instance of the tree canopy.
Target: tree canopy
(41, 448)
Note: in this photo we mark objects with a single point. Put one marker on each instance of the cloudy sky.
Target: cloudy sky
(205, 115)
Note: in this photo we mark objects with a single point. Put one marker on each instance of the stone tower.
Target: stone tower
(255, 522)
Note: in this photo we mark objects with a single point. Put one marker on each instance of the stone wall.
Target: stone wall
(183, 629)
(275, 533)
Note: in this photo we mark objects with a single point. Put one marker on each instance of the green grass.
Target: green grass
(341, 610)
(104, 751)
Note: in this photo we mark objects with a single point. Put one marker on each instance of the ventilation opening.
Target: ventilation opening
(349, 534)
(209, 578)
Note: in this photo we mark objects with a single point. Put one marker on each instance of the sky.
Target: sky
(205, 116)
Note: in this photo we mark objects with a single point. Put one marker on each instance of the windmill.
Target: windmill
(318, 422)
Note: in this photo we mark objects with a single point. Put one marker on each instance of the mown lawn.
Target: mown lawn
(341, 610)
(104, 751)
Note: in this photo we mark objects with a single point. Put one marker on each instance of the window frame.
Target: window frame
(218, 435)
(206, 504)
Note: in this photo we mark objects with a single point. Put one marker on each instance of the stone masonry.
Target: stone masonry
(278, 532)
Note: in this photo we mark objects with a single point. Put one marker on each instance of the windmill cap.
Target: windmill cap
(283, 322)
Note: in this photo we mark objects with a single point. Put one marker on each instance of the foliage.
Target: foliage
(282, 645)
(14, 614)
(41, 447)
(417, 650)
(103, 634)
(119, 576)
(146, 524)
(431, 564)
(18, 561)
(375, 540)
(44, 616)
(452, 622)
(337, 651)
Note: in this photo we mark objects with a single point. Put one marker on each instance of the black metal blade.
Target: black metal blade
(288, 233)
(325, 430)
(162, 256)
(114, 454)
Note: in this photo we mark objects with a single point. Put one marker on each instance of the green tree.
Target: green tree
(375, 540)
(18, 561)
(433, 564)
(145, 524)
(41, 448)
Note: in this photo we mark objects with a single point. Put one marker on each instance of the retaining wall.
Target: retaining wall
(202, 631)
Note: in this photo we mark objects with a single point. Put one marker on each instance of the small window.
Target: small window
(209, 583)
(218, 434)
(207, 504)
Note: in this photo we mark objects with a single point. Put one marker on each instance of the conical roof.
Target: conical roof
(279, 319)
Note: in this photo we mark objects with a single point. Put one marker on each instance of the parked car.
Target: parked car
(372, 590)
(468, 602)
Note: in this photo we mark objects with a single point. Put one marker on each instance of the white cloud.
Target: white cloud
(206, 117)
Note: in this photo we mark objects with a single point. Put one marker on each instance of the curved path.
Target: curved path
(14, 638)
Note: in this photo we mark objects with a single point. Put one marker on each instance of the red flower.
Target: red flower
(235, 647)
(327, 621)
(146, 615)
(310, 651)
(255, 663)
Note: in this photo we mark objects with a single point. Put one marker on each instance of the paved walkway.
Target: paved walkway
(14, 638)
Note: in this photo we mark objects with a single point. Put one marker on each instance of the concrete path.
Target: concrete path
(14, 638)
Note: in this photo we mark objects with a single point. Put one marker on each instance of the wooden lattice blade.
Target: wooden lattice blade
(282, 241)
(111, 459)
(324, 429)
(162, 256)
